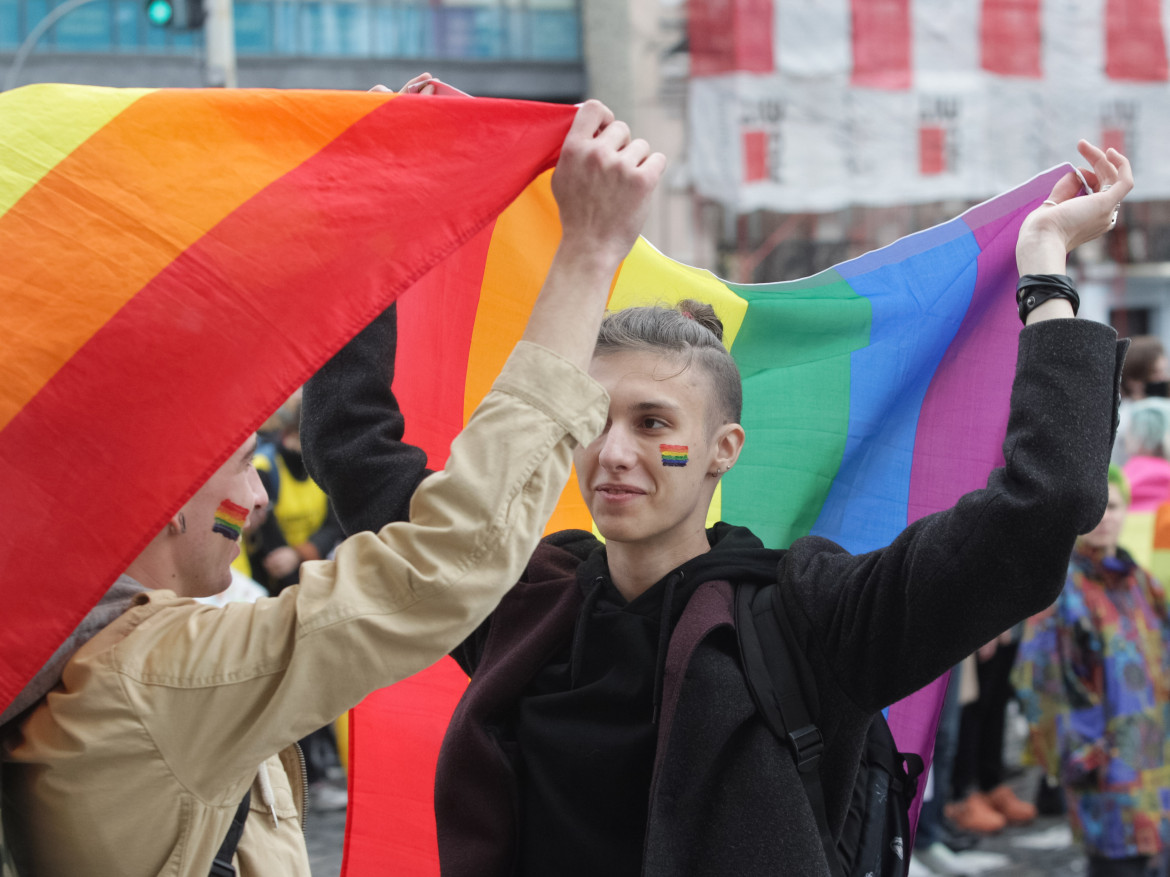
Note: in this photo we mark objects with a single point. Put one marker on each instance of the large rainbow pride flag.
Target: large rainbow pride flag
(875, 392)
(176, 262)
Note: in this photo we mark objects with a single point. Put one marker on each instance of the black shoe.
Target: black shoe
(956, 839)
(1050, 798)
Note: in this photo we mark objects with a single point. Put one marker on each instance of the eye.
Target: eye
(654, 423)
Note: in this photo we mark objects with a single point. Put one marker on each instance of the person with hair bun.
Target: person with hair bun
(608, 727)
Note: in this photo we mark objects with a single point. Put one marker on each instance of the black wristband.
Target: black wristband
(1035, 289)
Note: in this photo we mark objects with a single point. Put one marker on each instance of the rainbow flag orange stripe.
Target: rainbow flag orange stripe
(875, 392)
(175, 263)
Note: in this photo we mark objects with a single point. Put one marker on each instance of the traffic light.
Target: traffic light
(177, 14)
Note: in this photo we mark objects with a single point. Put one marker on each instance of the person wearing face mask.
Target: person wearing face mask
(1146, 375)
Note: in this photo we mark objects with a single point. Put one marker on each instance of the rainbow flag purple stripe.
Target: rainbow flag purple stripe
(876, 392)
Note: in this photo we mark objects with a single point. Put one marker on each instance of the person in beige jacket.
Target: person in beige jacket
(154, 728)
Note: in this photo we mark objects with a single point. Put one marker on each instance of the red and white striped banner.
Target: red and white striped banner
(813, 105)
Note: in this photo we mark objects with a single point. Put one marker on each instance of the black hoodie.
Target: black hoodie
(585, 727)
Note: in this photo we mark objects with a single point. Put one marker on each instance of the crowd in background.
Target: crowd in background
(1091, 674)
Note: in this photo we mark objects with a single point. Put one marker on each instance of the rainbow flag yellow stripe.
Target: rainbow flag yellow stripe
(175, 263)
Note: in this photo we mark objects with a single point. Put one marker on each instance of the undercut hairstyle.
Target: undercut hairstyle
(690, 333)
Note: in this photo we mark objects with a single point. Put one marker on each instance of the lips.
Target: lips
(618, 491)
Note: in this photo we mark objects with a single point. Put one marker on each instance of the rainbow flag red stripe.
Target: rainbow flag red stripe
(157, 241)
(875, 393)
(177, 262)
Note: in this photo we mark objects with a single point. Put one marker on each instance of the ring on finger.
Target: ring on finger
(1113, 217)
(1049, 203)
(1105, 187)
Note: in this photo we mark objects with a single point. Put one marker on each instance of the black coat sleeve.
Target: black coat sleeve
(351, 433)
(886, 623)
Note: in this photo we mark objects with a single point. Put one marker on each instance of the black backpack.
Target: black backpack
(875, 838)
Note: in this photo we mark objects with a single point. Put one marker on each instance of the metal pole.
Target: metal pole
(219, 35)
(34, 36)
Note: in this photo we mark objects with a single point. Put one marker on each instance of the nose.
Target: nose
(259, 494)
(617, 451)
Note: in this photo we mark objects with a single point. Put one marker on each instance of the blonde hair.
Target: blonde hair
(689, 331)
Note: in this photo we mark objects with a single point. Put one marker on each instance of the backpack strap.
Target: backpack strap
(775, 687)
(221, 865)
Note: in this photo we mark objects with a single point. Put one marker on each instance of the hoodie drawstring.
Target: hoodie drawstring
(266, 793)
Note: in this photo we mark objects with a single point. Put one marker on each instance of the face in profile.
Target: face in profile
(211, 521)
(645, 478)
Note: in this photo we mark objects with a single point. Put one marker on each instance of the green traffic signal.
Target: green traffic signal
(176, 14)
(160, 13)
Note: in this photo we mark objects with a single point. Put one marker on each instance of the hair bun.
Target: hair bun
(701, 313)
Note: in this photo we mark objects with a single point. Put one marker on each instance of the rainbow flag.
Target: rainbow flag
(875, 393)
(176, 262)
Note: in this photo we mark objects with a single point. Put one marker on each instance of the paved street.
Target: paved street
(325, 833)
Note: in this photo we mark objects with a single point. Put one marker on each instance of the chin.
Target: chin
(214, 588)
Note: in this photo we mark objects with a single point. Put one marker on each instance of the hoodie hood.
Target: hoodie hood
(736, 556)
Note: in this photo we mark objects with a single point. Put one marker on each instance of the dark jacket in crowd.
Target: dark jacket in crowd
(600, 736)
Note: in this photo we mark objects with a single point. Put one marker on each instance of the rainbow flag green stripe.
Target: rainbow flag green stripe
(136, 269)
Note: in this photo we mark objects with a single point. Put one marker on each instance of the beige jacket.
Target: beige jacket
(136, 762)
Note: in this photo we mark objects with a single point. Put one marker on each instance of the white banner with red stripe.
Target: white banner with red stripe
(814, 105)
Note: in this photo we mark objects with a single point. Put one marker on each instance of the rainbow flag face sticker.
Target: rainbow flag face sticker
(673, 455)
(229, 520)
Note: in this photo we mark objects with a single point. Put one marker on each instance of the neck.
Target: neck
(154, 572)
(635, 567)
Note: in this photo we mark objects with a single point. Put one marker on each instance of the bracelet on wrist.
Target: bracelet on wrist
(1035, 289)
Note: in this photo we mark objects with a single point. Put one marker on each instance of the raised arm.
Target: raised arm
(395, 601)
(892, 620)
(1068, 219)
(351, 433)
(352, 428)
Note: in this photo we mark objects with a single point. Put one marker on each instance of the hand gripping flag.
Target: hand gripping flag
(176, 262)
(875, 393)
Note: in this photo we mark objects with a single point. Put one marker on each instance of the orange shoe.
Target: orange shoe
(1015, 811)
(975, 813)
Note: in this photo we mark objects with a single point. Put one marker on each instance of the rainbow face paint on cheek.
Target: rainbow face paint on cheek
(673, 455)
(229, 520)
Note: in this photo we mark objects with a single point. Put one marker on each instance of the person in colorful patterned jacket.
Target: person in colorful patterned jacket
(1093, 673)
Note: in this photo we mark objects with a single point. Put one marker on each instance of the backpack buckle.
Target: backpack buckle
(806, 744)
